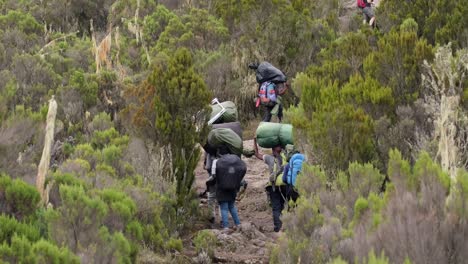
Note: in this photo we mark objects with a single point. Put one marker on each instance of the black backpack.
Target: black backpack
(230, 170)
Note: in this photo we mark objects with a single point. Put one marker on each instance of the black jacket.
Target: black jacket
(230, 170)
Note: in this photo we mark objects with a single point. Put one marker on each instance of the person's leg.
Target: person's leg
(277, 207)
(280, 112)
(372, 21)
(369, 14)
(224, 207)
(233, 210)
(267, 114)
(212, 203)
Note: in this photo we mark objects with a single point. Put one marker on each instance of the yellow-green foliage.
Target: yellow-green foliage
(86, 85)
(205, 241)
(119, 203)
(440, 24)
(174, 244)
(22, 250)
(18, 198)
(10, 227)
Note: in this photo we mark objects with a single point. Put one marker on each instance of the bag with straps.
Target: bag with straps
(267, 94)
(293, 169)
(230, 171)
(361, 3)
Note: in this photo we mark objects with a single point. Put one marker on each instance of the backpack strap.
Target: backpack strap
(290, 174)
(213, 167)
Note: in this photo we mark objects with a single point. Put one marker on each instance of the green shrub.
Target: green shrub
(106, 169)
(80, 214)
(45, 252)
(174, 244)
(86, 85)
(111, 154)
(116, 247)
(121, 207)
(84, 151)
(19, 198)
(205, 241)
(360, 207)
(134, 230)
(10, 226)
(101, 139)
(67, 179)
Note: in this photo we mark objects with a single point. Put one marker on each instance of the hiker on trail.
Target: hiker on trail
(367, 11)
(275, 188)
(228, 171)
(222, 139)
(272, 84)
(294, 167)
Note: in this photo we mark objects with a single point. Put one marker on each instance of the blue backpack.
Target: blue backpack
(293, 169)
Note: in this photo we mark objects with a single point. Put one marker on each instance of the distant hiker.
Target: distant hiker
(228, 170)
(367, 11)
(294, 167)
(272, 84)
(275, 188)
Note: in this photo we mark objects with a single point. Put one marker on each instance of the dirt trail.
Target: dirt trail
(253, 242)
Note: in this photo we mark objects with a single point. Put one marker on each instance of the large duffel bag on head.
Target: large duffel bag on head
(234, 126)
(270, 135)
(267, 72)
(225, 138)
(229, 116)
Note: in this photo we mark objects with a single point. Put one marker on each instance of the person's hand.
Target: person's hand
(272, 177)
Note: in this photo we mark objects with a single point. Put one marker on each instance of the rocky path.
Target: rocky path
(252, 243)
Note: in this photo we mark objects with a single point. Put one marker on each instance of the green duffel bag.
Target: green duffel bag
(286, 135)
(270, 134)
(234, 126)
(229, 116)
(219, 137)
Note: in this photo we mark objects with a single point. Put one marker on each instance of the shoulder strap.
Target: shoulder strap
(213, 167)
(290, 174)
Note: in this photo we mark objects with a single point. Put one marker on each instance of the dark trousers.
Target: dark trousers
(277, 199)
(291, 194)
(267, 115)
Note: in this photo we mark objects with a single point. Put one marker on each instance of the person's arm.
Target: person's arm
(257, 153)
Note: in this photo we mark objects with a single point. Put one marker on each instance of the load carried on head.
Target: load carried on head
(223, 141)
(270, 135)
(265, 72)
(223, 112)
(226, 131)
